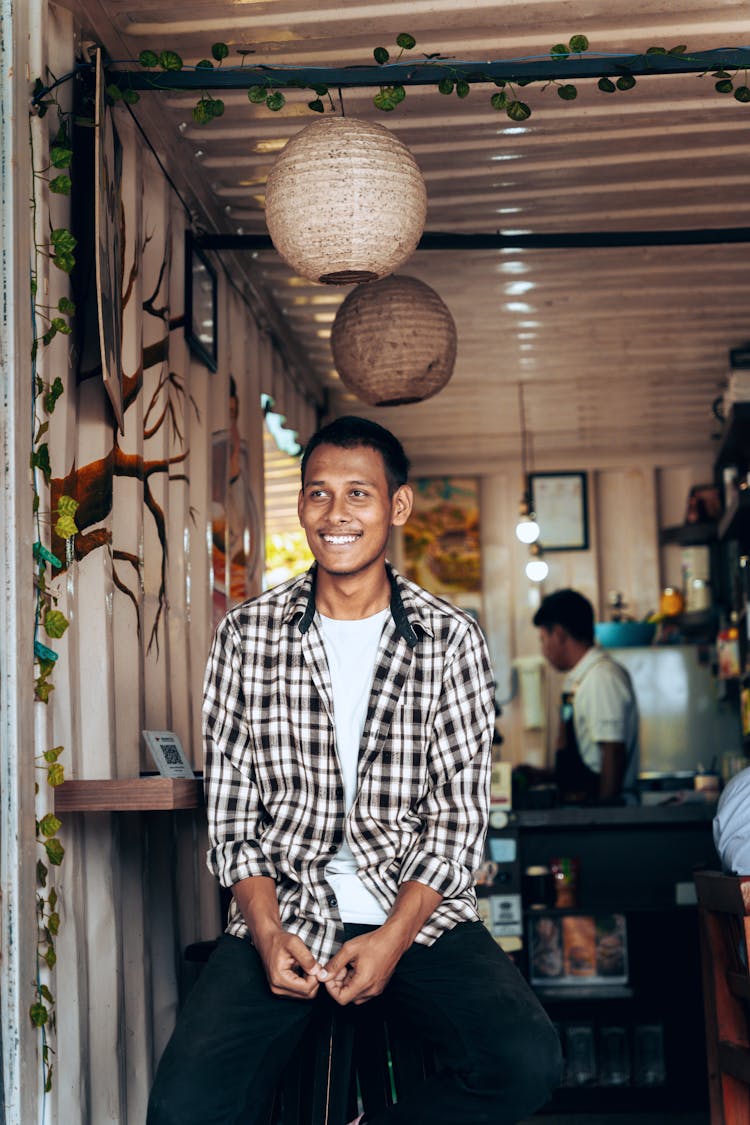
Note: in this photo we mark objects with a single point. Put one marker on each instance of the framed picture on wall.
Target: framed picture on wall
(560, 503)
(200, 304)
(108, 255)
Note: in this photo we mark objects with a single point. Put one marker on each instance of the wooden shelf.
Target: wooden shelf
(689, 534)
(129, 794)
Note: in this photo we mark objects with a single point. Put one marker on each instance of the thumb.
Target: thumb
(305, 959)
(337, 966)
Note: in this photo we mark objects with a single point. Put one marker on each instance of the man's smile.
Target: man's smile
(337, 540)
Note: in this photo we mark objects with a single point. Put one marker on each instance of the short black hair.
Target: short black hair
(571, 610)
(350, 432)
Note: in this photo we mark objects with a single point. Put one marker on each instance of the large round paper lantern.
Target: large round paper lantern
(345, 201)
(394, 341)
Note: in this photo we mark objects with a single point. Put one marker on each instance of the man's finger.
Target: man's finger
(304, 958)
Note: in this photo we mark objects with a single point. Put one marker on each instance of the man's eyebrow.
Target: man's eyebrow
(322, 483)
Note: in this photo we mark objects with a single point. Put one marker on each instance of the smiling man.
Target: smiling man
(348, 719)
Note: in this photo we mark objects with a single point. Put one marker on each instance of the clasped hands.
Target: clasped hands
(358, 972)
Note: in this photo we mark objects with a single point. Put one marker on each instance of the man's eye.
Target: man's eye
(358, 492)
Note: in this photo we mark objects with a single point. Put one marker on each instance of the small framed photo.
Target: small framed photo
(166, 750)
(560, 503)
(200, 304)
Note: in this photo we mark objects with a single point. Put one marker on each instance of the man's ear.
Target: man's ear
(300, 498)
(401, 505)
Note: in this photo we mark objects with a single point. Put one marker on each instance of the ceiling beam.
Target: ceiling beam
(430, 72)
(446, 240)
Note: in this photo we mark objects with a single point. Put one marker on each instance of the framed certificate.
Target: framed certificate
(560, 504)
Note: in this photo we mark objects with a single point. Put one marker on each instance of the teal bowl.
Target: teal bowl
(624, 634)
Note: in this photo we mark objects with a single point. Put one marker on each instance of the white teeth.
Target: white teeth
(340, 538)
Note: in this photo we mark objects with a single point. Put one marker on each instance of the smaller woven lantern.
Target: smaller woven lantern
(345, 201)
(394, 341)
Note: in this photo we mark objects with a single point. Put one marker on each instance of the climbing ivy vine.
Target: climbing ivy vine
(50, 173)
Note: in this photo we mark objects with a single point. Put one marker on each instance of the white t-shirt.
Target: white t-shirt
(351, 648)
(604, 710)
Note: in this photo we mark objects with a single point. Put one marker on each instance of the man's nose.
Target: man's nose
(339, 509)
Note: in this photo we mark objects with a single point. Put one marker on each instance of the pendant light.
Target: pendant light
(536, 568)
(527, 529)
(394, 341)
(346, 201)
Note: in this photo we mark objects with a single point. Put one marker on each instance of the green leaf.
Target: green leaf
(217, 107)
(65, 305)
(49, 825)
(62, 240)
(67, 506)
(204, 64)
(405, 41)
(169, 60)
(53, 923)
(61, 325)
(559, 51)
(55, 773)
(316, 106)
(39, 1014)
(463, 89)
(257, 94)
(399, 93)
(45, 992)
(42, 690)
(148, 58)
(383, 100)
(625, 82)
(500, 83)
(445, 85)
(52, 898)
(61, 185)
(53, 753)
(41, 432)
(578, 44)
(50, 957)
(60, 156)
(130, 97)
(64, 261)
(680, 50)
(55, 623)
(275, 101)
(219, 51)
(41, 873)
(53, 394)
(518, 111)
(55, 851)
(40, 460)
(656, 50)
(66, 527)
(606, 85)
(499, 100)
(202, 112)
(724, 87)
(742, 93)
(113, 92)
(381, 56)
(568, 93)
(320, 89)
(49, 335)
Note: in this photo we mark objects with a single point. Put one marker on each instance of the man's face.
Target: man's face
(346, 510)
(553, 645)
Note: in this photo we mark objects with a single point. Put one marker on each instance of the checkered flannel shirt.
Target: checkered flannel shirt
(274, 788)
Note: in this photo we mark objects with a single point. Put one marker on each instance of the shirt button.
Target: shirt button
(339, 792)
(331, 900)
(333, 849)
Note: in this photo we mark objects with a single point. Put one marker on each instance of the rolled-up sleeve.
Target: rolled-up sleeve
(235, 812)
(455, 810)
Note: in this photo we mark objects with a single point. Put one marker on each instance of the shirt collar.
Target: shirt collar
(591, 657)
(406, 612)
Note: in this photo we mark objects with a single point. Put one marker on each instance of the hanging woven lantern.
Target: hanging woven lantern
(345, 201)
(394, 341)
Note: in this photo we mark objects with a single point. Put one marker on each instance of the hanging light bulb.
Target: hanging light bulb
(527, 529)
(536, 568)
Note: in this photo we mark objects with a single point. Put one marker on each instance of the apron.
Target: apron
(576, 782)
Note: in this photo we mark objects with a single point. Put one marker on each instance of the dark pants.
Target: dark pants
(498, 1056)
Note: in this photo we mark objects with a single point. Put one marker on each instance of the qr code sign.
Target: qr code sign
(171, 754)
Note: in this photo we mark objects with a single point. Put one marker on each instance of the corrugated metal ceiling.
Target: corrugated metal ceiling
(620, 350)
